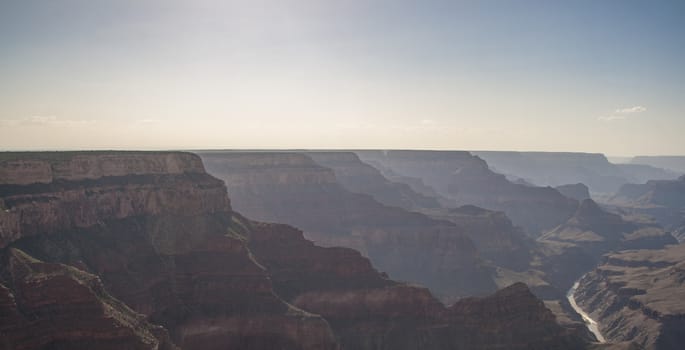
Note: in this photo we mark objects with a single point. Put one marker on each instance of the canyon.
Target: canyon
(549, 264)
(637, 295)
(662, 200)
(159, 234)
(467, 180)
(562, 168)
(291, 188)
(144, 250)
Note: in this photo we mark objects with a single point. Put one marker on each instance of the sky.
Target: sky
(589, 76)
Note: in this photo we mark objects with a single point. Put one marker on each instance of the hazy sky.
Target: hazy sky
(598, 76)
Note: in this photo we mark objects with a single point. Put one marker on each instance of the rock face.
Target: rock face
(56, 306)
(164, 241)
(157, 260)
(492, 232)
(25, 168)
(466, 179)
(673, 163)
(577, 245)
(368, 311)
(664, 200)
(638, 296)
(293, 189)
(559, 168)
(359, 177)
(88, 196)
(577, 191)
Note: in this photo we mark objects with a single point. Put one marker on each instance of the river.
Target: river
(589, 322)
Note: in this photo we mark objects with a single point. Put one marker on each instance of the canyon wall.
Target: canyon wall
(159, 259)
(637, 296)
(559, 168)
(578, 245)
(291, 188)
(466, 179)
(359, 177)
(160, 234)
(368, 311)
(663, 200)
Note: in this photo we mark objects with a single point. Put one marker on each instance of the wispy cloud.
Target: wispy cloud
(631, 110)
(622, 113)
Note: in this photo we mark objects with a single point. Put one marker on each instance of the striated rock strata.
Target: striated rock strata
(578, 245)
(291, 188)
(368, 311)
(638, 296)
(493, 234)
(664, 200)
(359, 177)
(578, 191)
(466, 179)
(55, 306)
(160, 234)
(559, 168)
(157, 259)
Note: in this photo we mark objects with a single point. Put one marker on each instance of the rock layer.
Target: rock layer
(166, 242)
(293, 189)
(664, 200)
(45, 305)
(158, 259)
(578, 245)
(637, 296)
(368, 311)
(359, 177)
(560, 168)
(466, 179)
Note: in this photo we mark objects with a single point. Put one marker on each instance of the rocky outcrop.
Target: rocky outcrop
(578, 191)
(663, 200)
(466, 179)
(359, 177)
(159, 260)
(524, 321)
(415, 183)
(25, 168)
(667, 193)
(577, 245)
(55, 306)
(559, 168)
(638, 296)
(641, 173)
(165, 242)
(368, 311)
(291, 188)
(673, 163)
(493, 234)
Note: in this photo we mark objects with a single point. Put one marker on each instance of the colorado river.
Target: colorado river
(589, 322)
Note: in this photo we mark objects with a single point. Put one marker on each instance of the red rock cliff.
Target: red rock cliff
(291, 188)
(368, 311)
(160, 234)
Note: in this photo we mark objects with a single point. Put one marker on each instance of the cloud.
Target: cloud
(631, 110)
(622, 113)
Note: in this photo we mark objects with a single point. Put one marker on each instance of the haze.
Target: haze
(591, 76)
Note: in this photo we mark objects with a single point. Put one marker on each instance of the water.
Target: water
(589, 322)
